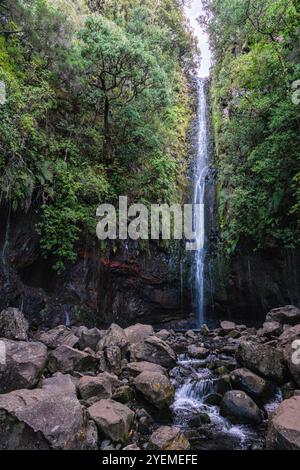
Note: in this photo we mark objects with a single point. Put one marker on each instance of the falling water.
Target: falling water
(199, 198)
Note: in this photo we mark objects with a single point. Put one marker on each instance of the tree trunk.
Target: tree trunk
(107, 148)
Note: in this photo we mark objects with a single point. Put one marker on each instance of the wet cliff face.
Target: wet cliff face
(122, 287)
(247, 286)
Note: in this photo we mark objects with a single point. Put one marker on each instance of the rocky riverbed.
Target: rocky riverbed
(233, 387)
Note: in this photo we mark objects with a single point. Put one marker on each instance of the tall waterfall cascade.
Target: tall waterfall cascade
(200, 177)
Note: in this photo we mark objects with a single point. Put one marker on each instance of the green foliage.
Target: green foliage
(97, 107)
(256, 123)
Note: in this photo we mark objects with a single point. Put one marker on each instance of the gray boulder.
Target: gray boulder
(136, 368)
(101, 386)
(50, 417)
(59, 384)
(138, 332)
(270, 328)
(198, 352)
(256, 387)
(24, 364)
(57, 337)
(114, 336)
(156, 388)
(239, 408)
(131, 447)
(227, 326)
(13, 325)
(124, 394)
(113, 359)
(284, 426)
(154, 350)
(114, 420)
(90, 338)
(288, 315)
(66, 360)
(263, 359)
(165, 334)
(168, 438)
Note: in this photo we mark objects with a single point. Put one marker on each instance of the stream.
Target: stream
(196, 407)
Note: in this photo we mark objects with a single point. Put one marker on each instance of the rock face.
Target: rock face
(263, 359)
(57, 337)
(156, 388)
(154, 350)
(66, 359)
(24, 365)
(13, 324)
(136, 368)
(168, 438)
(288, 315)
(284, 426)
(45, 418)
(240, 408)
(138, 332)
(256, 387)
(101, 386)
(113, 419)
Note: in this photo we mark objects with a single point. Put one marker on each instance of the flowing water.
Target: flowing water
(202, 423)
(201, 173)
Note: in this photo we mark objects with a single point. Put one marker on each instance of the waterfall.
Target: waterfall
(200, 175)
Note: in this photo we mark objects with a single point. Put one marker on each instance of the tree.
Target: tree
(118, 68)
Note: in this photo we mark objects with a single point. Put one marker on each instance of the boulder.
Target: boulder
(138, 332)
(49, 417)
(213, 399)
(156, 388)
(13, 324)
(57, 337)
(66, 359)
(59, 384)
(284, 426)
(124, 394)
(136, 368)
(114, 336)
(263, 359)
(154, 350)
(256, 387)
(289, 335)
(113, 359)
(101, 386)
(113, 419)
(131, 447)
(24, 364)
(288, 315)
(239, 408)
(168, 438)
(270, 328)
(197, 352)
(165, 334)
(227, 326)
(290, 342)
(89, 338)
